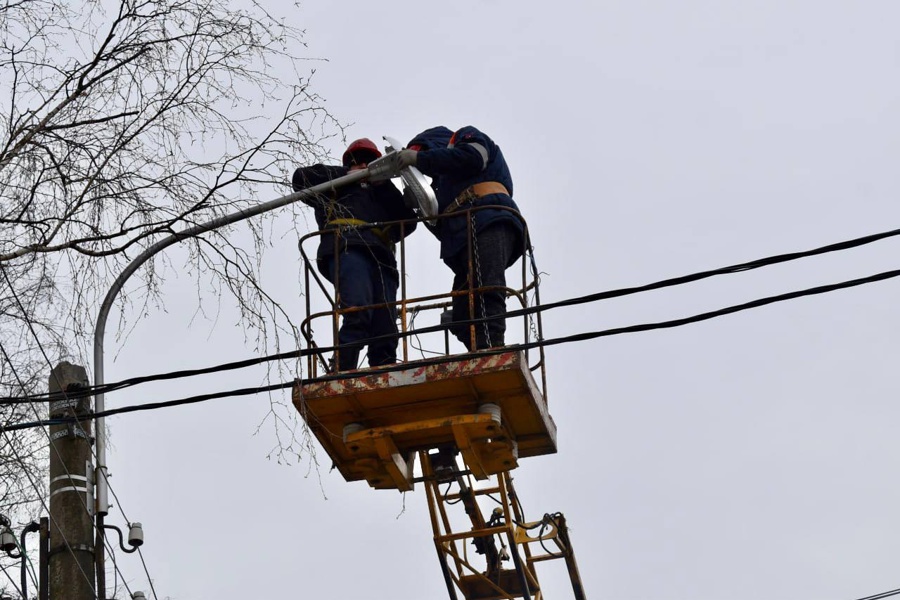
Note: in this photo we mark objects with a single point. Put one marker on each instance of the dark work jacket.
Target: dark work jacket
(377, 203)
(468, 157)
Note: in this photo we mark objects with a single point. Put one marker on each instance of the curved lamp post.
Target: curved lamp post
(102, 498)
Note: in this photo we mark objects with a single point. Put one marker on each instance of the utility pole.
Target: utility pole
(71, 569)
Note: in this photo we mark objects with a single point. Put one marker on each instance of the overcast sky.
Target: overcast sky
(747, 457)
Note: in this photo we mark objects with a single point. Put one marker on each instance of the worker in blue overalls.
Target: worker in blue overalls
(365, 269)
(468, 171)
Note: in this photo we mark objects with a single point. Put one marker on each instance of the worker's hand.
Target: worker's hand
(407, 158)
(390, 165)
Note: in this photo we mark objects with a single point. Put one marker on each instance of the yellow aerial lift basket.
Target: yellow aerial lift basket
(372, 423)
(486, 408)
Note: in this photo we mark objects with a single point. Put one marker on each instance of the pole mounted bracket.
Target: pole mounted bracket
(72, 430)
(70, 399)
(82, 484)
(61, 406)
(74, 548)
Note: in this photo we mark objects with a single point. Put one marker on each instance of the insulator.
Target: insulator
(135, 534)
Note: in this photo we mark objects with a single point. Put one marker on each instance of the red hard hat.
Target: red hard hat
(363, 147)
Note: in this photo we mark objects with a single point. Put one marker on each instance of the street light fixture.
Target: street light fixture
(9, 545)
(135, 536)
(7, 537)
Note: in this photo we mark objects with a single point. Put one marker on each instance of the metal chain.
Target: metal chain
(532, 322)
(487, 331)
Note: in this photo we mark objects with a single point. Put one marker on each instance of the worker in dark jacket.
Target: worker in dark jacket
(364, 270)
(468, 171)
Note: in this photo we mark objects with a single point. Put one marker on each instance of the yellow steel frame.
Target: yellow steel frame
(372, 424)
(486, 407)
(481, 575)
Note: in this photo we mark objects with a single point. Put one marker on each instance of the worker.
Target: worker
(468, 171)
(365, 269)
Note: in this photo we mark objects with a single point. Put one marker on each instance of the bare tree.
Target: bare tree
(123, 121)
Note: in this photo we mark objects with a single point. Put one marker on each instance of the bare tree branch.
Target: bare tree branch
(128, 120)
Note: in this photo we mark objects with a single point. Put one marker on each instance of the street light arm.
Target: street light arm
(190, 232)
(122, 540)
(32, 527)
(100, 472)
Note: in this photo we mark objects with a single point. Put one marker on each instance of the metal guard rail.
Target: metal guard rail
(411, 306)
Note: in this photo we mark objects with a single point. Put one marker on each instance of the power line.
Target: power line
(606, 295)
(12, 581)
(76, 420)
(882, 595)
(579, 337)
(738, 268)
(37, 491)
(527, 311)
(29, 567)
(21, 462)
(146, 571)
(126, 383)
(139, 552)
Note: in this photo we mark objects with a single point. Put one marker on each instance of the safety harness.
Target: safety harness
(380, 232)
(474, 192)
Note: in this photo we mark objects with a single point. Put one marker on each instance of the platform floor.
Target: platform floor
(423, 406)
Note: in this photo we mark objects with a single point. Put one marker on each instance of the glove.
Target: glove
(407, 158)
(389, 165)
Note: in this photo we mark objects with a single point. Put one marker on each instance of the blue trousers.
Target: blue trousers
(495, 245)
(363, 280)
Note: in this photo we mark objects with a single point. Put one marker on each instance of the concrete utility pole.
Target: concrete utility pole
(71, 569)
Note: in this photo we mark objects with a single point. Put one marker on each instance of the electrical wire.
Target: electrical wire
(416, 341)
(527, 311)
(737, 268)
(147, 572)
(29, 566)
(37, 490)
(139, 551)
(125, 383)
(14, 583)
(882, 595)
(447, 495)
(606, 295)
(548, 518)
(75, 420)
(579, 337)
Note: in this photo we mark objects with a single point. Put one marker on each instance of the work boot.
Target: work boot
(348, 359)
